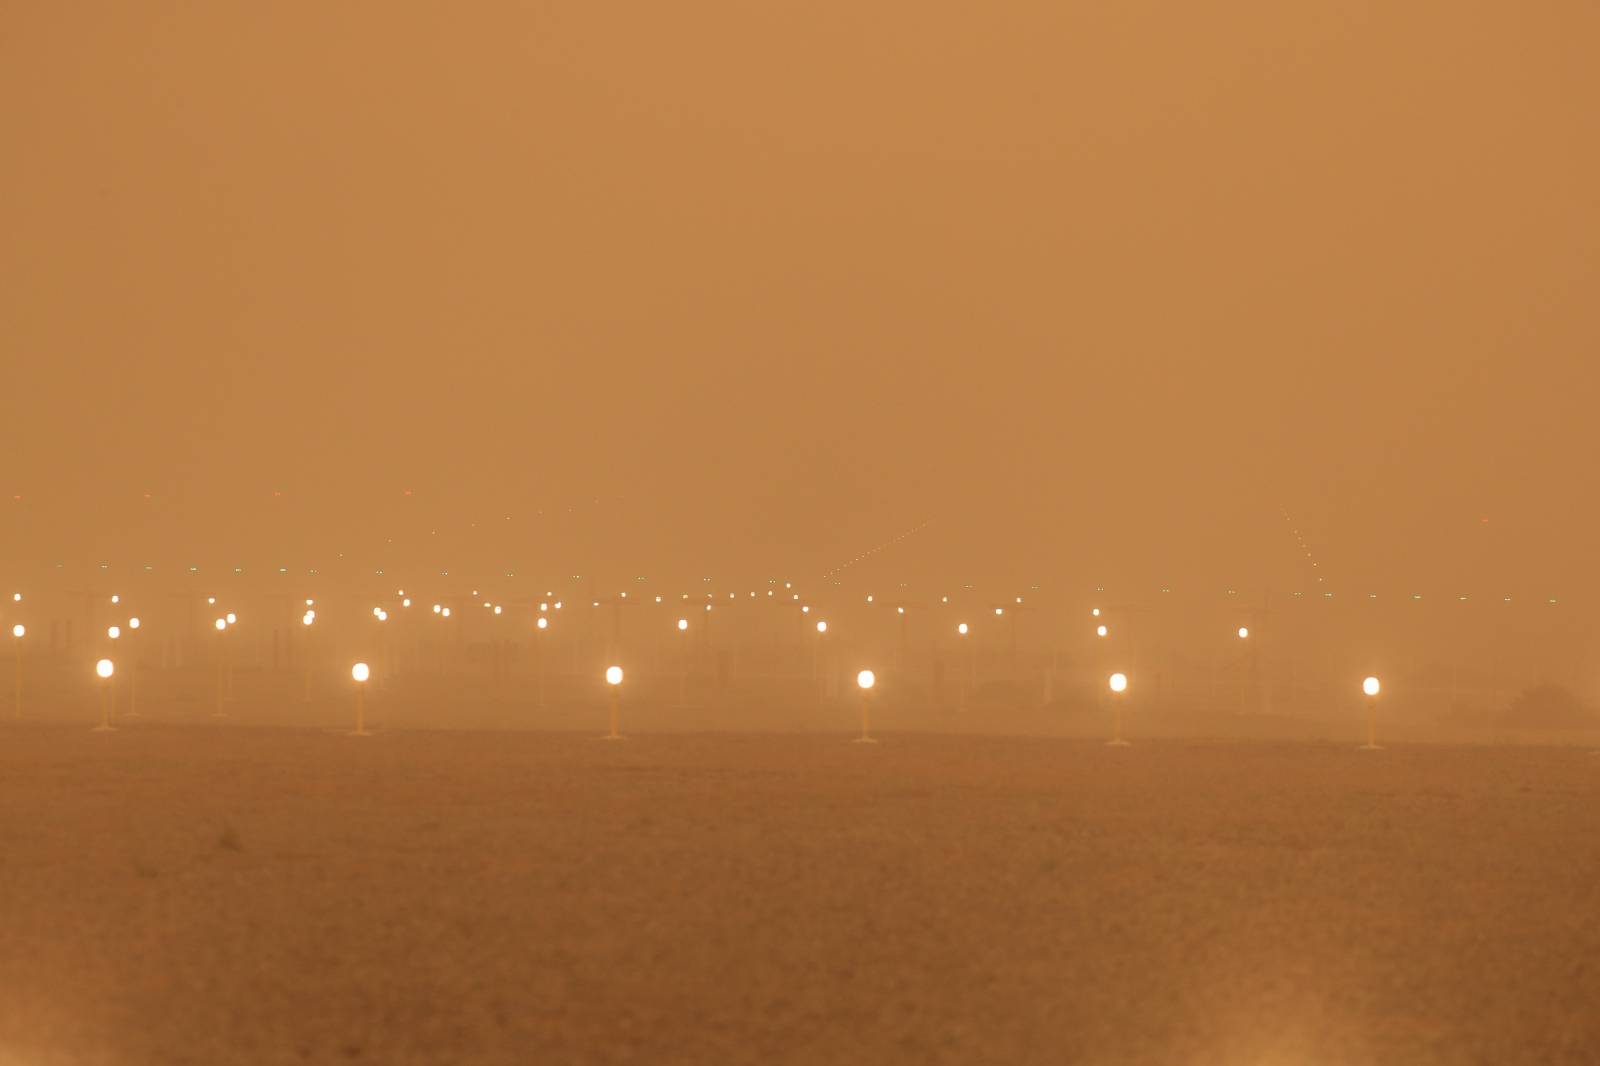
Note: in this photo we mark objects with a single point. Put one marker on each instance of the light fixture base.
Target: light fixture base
(1118, 744)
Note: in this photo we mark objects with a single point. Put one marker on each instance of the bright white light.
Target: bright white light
(961, 628)
(1244, 632)
(899, 610)
(19, 630)
(869, 599)
(822, 627)
(233, 619)
(436, 608)
(1095, 612)
(360, 671)
(613, 675)
(543, 607)
(311, 603)
(1370, 686)
(405, 603)
(683, 623)
(116, 599)
(16, 597)
(307, 618)
(543, 623)
(1119, 682)
(805, 608)
(212, 600)
(497, 608)
(445, 612)
(383, 616)
(376, 611)
(658, 599)
(866, 679)
(105, 668)
(113, 632)
(133, 623)
(998, 611)
(1099, 631)
(221, 623)
(558, 605)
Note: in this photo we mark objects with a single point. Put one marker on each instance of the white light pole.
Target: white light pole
(1119, 688)
(864, 681)
(103, 670)
(18, 631)
(359, 673)
(1370, 689)
(614, 679)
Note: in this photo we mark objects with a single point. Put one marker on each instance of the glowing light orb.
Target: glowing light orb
(133, 623)
(113, 632)
(221, 624)
(360, 672)
(822, 627)
(105, 668)
(445, 613)
(19, 630)
(805, 608)
(16, 597)
(306, 619)
(405, 603)
(233, 619)
(866, 679)
(116, 599)
(1095, 612)
(613, 675)
(544, 623)
(998, 611)
(436, 608)
(683, 623)
(899, 610)
(1119, 682)
(1371, 686)
(961, 628)
(497, 608)
(211, 600)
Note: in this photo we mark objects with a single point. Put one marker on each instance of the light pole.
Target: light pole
(683, 663)
(103, 670)
(360, 673)
(220, 625)
(113, 633)
(133, 673)
(18, 631)
(968, 663)
(1370, 689)
(614, 679)
(305, 622)
(540, 625)
(1251, 689)
(864, 681)
(1119, 689)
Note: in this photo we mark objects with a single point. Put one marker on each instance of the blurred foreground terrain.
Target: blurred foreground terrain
(198, 892)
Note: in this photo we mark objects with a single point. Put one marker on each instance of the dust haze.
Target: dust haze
(1261, 335)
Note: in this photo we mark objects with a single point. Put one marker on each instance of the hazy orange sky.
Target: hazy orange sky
(1098, 288)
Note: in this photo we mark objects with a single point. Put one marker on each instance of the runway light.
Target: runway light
(116, 599)
(221, 624)
(1100, 631)
(19, 630)
(613, 675)
(1371, 686)
(133, 623)
(998, 611)
(899, 610)
(497, 608)
(233, 619)
(445, 613)
(543, 623)
(962, 628)
(683, 623)
(1244, 632)
(866, 679)
(16, 597)
(805, 608)
(436, 608)
(113, 632)
(822, 627)
(360, 672)
(311, 603)
(307, 618)
(1119, 682)
(543, 607)
(383, 616)
(105, 668)
(1095, 612)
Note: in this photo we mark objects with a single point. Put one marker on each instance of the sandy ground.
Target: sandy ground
(218, 893)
